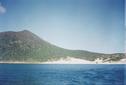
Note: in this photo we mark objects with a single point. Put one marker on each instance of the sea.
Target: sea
(62, 74)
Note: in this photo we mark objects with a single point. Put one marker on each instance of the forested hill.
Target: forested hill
(28, 47)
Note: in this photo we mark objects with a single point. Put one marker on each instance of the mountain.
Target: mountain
(28, 47)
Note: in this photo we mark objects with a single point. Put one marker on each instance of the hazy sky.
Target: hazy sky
(94, 25)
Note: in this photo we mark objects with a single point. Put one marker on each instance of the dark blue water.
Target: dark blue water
(33, 74)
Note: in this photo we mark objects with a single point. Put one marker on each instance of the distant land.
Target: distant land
(25, 46)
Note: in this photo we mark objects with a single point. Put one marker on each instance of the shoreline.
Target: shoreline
(54, 63)
(62, 63)
(69, 60)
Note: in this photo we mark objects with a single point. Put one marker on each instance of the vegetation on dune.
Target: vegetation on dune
(26, 46)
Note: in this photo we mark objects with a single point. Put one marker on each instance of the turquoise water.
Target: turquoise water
(34, 74)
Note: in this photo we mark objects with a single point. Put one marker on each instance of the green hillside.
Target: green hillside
(28, 47)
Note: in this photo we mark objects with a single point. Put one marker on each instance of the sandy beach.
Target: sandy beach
(68, 60)
(71, 60)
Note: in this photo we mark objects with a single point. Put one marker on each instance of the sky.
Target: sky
(93, 25)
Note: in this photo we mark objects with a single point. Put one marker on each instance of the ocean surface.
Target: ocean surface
(42, 74)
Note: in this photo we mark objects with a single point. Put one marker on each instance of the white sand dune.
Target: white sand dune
(71, 60)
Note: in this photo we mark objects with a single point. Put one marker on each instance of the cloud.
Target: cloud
(2, 9)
